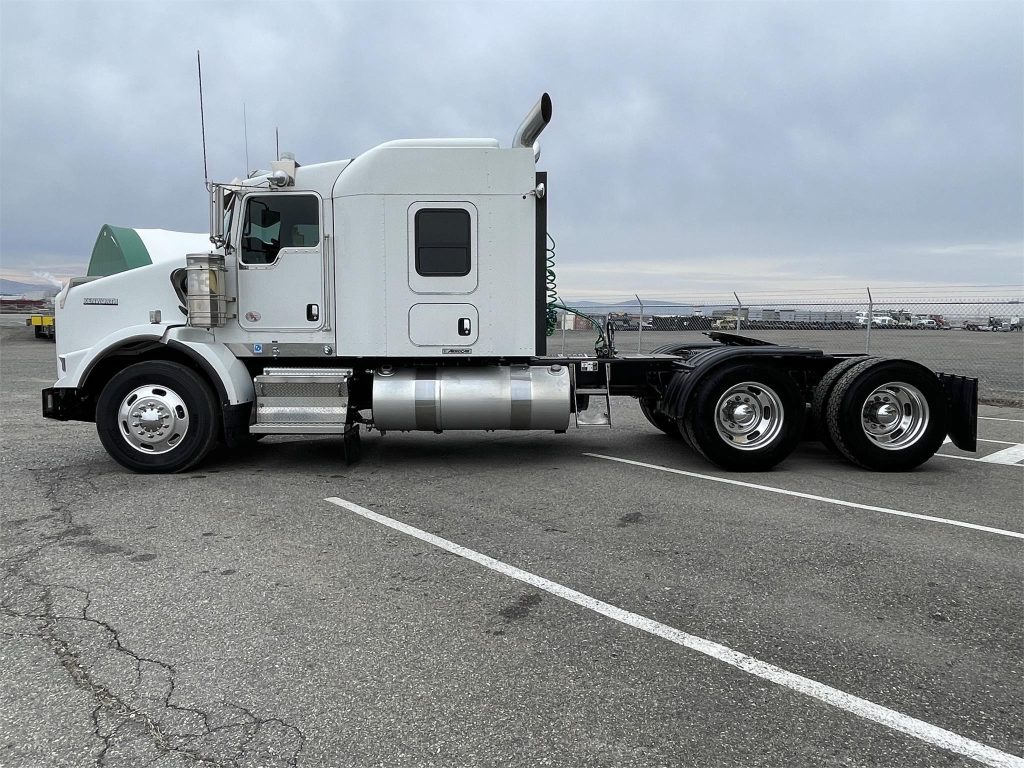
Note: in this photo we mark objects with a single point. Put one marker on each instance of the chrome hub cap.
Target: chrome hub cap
(749, 416)
(153, 419)
(895, 415)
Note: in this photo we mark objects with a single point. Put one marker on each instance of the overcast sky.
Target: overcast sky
(695, 147)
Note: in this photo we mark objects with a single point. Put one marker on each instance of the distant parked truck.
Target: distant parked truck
(726, 323)
(618, 321)
(623, 321)
(991, 324)
(43, 325)
(1005, 323)
(877, 321)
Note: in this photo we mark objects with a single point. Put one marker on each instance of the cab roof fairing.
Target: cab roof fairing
(439, 168)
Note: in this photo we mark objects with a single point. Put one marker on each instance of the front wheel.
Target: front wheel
(745, 417)
(158, 417)
(887, 415)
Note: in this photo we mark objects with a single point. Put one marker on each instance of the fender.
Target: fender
(226, 372)
(77, 365)
(690, 373)
(229, 375)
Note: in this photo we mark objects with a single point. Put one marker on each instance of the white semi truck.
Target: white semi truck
(408, 289)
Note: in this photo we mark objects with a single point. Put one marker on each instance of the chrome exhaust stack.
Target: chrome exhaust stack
(533, 124)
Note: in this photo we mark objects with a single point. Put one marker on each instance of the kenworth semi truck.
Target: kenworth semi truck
(408, 289)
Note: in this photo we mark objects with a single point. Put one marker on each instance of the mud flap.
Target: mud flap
(962, 406)
(351, 444)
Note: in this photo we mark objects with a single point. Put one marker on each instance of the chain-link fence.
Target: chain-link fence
(973, 331)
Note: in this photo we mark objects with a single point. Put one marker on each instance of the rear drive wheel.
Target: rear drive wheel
(745, 417)
(887, 415)
(157, 417)
(648, 406)
(819, 404)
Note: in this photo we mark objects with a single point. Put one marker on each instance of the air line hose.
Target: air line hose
(552, 288)
(554, 302)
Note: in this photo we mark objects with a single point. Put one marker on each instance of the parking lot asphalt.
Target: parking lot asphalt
(233, 616)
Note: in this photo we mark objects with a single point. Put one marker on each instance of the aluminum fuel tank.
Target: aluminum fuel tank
(484, 397)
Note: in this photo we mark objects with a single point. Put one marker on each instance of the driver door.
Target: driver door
(281, 263)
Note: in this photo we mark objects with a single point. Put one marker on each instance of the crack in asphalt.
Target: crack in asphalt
(225, 734)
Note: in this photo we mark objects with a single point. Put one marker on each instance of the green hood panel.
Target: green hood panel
(117, 249)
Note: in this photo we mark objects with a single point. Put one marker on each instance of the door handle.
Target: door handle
(465, 326)
(312, 312)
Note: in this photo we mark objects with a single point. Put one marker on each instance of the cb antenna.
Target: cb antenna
(202, 118)
(245, 132)
(277, 144)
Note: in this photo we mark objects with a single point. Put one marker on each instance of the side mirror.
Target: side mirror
(217, 215)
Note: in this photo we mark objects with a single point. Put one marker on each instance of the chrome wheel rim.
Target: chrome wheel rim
(749, 416)
(895, 415)
(153, 419)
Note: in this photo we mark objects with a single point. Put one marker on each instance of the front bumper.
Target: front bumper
(68, 404)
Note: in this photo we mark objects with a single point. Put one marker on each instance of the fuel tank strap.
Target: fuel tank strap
(426, 399)
(521, 389)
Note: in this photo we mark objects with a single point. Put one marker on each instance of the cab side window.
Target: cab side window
(273, 222)
(443, 242)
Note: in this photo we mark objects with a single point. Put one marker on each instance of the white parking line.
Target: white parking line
(1006, 456)
(997, 418)
(812, 497)
(972, 458)
(947, 440)
(890, 718)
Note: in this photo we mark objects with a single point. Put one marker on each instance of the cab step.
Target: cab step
(592, 415)
(301, 401)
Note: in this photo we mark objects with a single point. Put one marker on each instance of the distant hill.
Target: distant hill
(13, 288)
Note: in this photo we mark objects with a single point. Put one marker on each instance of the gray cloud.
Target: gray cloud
(694, 146)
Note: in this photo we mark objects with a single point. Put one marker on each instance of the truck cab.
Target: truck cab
(417, 248)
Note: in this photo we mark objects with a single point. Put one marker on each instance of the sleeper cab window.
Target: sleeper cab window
(443, 242)
(273, 222)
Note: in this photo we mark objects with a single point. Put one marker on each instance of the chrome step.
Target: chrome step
(292, 401)
(594, 416)
(297, 429)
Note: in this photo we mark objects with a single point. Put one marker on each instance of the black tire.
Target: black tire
(661, 421)
(819, 403)
(701, 423)
(198, 424)
(846, 417)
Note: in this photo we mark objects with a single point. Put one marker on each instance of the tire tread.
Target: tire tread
(822, 392)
